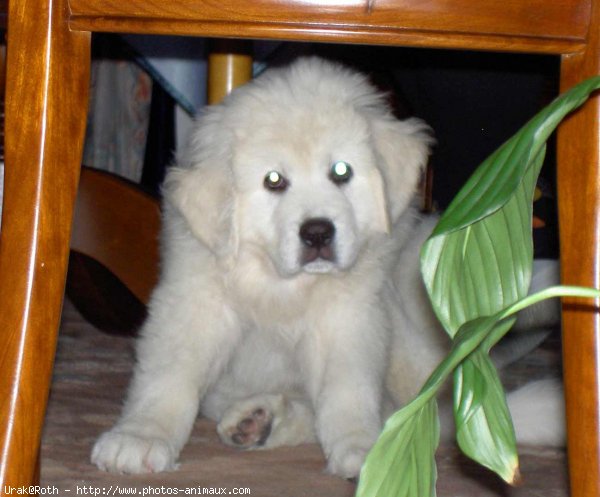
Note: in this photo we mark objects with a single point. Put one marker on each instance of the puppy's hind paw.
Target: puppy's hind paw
(252, 430)
(121, 452)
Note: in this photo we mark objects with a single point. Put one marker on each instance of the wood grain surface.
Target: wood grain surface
(509, 25)
(579, 220)
(47, 85)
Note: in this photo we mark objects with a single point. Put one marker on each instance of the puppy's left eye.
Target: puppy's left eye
(274, 181)
(340, 172)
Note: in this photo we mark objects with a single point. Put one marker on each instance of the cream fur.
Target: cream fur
(242, 329)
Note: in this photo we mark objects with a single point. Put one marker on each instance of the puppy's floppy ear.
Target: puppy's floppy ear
(403, 148)
(200, 186)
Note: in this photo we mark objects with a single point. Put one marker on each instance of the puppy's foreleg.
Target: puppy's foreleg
(346, 365)
(182, 350)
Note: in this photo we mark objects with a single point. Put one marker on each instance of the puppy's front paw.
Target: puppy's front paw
(125, 452)
(347, 459)
(347, 465)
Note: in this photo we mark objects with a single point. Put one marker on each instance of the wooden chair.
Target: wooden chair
(47, 84)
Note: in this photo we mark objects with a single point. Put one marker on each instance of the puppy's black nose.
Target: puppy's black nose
(317, 233)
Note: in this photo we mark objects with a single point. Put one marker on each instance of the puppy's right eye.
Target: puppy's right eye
(274, 181)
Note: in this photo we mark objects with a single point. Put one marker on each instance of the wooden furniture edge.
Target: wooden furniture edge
(578, 180)
(352, 34)
(45, 122)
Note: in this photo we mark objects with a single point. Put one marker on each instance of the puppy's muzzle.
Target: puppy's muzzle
(317, 238)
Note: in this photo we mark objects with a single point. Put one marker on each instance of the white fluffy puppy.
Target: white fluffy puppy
(290, 306)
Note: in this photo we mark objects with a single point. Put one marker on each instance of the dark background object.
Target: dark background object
(101, 298)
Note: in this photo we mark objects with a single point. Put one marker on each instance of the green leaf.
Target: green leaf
(478, 259)
(477, 269)
(500, 174)
(480, 269)
(484, 429)
(402, 461)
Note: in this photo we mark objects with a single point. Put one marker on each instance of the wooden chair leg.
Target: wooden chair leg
(47, 86)
(579, 217)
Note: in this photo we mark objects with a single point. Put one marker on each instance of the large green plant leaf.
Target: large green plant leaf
(479, 260)
(499, 175)
(411, 436)
(484, 267)
(477, 269)
(401, 463)
(484, 429)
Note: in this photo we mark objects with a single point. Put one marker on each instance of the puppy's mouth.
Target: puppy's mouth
(310, 254)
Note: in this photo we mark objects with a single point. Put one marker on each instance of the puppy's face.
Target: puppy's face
(309, 194)
(303, 168)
